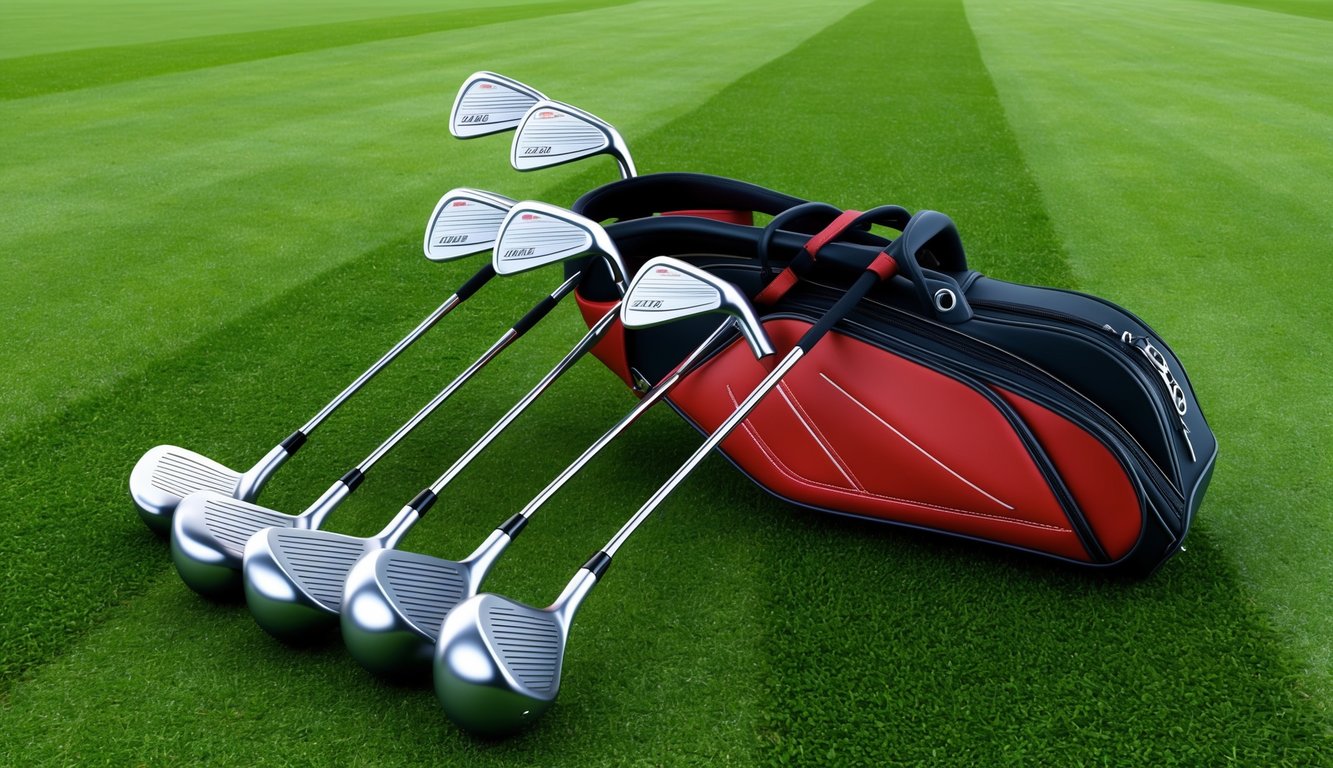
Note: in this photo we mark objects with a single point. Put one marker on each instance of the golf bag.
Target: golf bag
(1044, 420)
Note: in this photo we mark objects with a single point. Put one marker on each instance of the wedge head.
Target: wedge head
(294, 579)
(393, 605)
(489, 103)
(465, 221)
(667, 289)
(208, 537)
(497, 663)
(553, 133)
(535, 234)
(167, 474)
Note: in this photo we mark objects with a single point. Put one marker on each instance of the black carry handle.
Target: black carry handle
(843, 222)
(643, 196)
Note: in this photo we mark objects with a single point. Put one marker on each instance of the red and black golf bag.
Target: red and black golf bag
(1040, 419)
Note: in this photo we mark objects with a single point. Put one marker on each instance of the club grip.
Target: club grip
(475, 282)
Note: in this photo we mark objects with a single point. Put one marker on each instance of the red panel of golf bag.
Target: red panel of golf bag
(1040, 419)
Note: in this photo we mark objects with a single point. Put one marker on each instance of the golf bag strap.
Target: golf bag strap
(787, 278)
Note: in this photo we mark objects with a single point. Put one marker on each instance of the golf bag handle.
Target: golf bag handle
(644, 196)
(844, 221)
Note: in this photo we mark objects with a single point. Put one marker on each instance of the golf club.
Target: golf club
(489, 103)
(294, 578)
(553, 133)
(497, 662)
(168, 473)
(209, 531)
(394, 601)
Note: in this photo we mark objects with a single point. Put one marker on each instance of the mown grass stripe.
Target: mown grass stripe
(40, 74)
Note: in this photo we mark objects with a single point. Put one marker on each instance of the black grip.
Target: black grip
(514, 525)
(294, 442)
(841, 309)
(598, 564)
(423, 501)
(535, 314)
(475, 282)
(353, 479)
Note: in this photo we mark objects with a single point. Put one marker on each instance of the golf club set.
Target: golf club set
(846, 361)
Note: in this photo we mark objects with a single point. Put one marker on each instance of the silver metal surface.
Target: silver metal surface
(497, 665)
(945, 300)
(667, 289)
(166, 473)
(552, 133)
(294, 578)
(489, 103)
(535, 234)
(209, 533)
(464, 222)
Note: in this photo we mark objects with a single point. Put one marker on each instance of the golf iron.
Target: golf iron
(497, 664)
(294, 578)
(488, 103)
(167, 473)
(394, 601)
(553, 133)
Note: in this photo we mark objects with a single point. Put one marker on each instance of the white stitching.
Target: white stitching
(810, 427)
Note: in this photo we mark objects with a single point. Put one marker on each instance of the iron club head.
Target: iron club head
(554, 133)
(464, 222)
(489, 103)
(535, 234)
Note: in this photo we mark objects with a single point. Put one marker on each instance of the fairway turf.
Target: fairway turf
(246, 238)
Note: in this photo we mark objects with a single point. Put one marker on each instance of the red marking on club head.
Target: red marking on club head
(485, 86)
(529, 217)
(662, 271)
(460, 203)
(546, 115)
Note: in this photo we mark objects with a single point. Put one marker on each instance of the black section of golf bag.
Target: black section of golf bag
(1079, 356)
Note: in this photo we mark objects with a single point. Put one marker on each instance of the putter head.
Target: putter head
(535, 234)
(464, 222)
(489, 103)
(167, 474)
(208, 537)
(294, 579)
(497, 664)
(394, 603)
(553, 133)
(667, 289)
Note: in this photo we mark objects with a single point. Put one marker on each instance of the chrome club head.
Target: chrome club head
(489, 103)
(294, 578)
(210, 530)
(166, 474)
(554, 133)
(464, 222)
(497, 667)
(394, 602)
(535, 234)
(667, 289)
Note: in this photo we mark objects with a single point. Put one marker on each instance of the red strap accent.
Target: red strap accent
(884, 266)
(836, 228)
(787, 278)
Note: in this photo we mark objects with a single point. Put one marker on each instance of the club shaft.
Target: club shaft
(507, 338)
(770, 381)
(590, 340)
(651, 398)
(404, 343)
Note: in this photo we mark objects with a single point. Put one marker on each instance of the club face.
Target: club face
(464, 222)
(294, 579)
(166, 474)
(393, 605)
(497, 664)
(535, 234)
(552, 133)
(667, 289)
(489, 103)
(208, 537)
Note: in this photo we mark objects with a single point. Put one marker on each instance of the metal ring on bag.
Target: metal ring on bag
(945, 300)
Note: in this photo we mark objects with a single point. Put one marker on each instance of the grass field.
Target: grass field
(210, 221)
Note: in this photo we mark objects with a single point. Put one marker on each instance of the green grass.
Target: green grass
(207, 271)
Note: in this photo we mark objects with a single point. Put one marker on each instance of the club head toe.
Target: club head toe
(166, 474)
